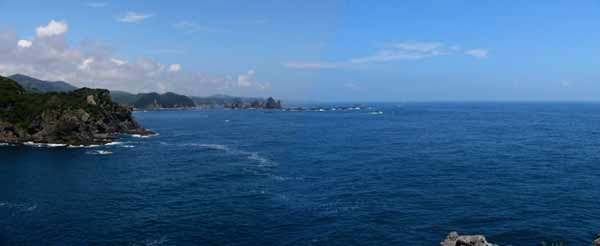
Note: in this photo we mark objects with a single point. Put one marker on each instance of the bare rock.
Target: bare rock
(597, 241)
(90, 100)
(453, 239)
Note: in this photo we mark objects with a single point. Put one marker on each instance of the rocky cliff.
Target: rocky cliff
(81, 117)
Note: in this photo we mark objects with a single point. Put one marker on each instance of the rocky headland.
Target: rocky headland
(79, 117)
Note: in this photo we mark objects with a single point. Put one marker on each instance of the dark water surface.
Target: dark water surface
(518, 173)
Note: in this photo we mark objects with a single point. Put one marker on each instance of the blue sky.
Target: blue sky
(312, 50)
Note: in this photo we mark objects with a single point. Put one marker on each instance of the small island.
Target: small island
(79, 117)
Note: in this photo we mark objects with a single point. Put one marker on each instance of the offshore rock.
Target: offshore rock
(453, 239)
(597, 241)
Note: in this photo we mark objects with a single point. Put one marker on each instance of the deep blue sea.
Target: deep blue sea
(520, 173)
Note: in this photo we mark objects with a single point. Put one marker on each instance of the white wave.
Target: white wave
(83, 146)
(99, 152)
(114, 143)
(19, 207)
(377, 113)
(41, 145)
(144, 136)
(153, 242)
(128, 146)
(253, 156)
(6, 144)
(283, 178)
(263, 161)
(213, 147)
(51, 145)
(31, 208)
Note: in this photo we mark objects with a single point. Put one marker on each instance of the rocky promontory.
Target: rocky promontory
(80, 117)
(453, 239)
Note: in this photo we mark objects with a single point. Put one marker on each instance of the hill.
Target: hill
(124, 98)
(80, 117)
(167, 100)
(33, 84)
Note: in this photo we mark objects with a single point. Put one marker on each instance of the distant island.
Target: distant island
(153, 100)
(77, 117)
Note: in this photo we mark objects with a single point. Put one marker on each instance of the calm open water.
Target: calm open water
(520, 173)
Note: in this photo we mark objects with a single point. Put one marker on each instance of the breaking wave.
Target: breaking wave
(99, 152)
(144, 136)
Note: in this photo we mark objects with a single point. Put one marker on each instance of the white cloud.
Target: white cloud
(193, 27)
(52, 29)
(86, 63)
(354, 87)
(263, 86)
(175, 68)
(90, 64)
(97, 4)
(244, 80)
(311, 65)
(393, 52)
(118, 62)
(407, 51)
(478, 53)
(24, 43)
(398, 51)
(132, 17)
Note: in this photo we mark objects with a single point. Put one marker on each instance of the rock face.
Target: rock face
(453, 239)
(81, 117)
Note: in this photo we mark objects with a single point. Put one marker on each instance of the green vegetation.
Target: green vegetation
(22, 108)
(167, 100)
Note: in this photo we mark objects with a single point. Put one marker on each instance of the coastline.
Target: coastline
(113, 141)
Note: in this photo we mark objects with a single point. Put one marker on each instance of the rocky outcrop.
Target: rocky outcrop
(81, 117)
(239, 103)
(597, 241)
(453, 239)
(272, 104)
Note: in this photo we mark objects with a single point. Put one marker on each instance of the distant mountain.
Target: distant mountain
(37, 85)
(167, 100)
(151, 100)
(124, 98)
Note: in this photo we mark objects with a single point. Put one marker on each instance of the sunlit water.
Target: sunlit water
(518, 173)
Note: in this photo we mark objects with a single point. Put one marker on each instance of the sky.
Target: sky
(337, 50)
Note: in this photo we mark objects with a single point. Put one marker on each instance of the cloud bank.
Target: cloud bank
(49, 56)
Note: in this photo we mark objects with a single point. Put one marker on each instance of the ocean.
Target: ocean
(390, 174)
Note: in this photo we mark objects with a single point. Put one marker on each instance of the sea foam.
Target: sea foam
(253, 156)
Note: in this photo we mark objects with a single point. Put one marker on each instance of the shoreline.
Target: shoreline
(113, 141)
